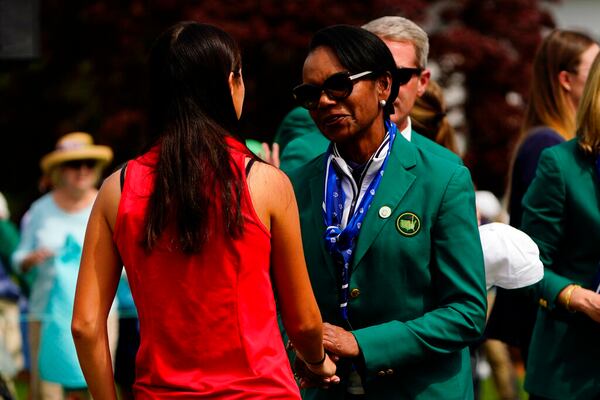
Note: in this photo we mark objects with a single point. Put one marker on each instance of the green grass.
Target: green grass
(487, 390)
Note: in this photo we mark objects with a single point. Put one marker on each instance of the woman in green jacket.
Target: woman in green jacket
(389, 233)
(562, 215)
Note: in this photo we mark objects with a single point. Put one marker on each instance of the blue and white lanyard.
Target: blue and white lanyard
(341, 242)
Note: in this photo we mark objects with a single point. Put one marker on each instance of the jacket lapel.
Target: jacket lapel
(317, 185)
(396, 181)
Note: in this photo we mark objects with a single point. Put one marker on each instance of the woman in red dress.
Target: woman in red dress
(201, 230)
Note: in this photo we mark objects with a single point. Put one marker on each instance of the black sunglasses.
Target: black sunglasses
(337, 87)
(77, 164)
(403, 75)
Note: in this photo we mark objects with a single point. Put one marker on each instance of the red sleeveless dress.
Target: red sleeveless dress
(208, 322)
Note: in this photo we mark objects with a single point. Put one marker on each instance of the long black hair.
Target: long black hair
(191, 113)
(359, 50)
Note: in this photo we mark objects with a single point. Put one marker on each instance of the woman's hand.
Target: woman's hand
(325, 369)
(34, 258)
(321, 375)
(270, 154)
(585, 301)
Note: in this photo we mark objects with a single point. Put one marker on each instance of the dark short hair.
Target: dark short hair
(359, 50)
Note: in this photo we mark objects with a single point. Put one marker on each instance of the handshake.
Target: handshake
(318, 374)
(337, 343)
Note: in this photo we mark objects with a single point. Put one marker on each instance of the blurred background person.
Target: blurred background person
(560, 69)
(561, 214)
(12, 358)
(430, 119)
(409, 45)
(49, 253)
(200, 228)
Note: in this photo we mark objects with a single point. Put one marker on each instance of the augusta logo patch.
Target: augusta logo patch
(408, 224)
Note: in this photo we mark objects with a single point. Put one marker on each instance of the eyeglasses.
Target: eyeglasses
(77, 164)
(403, 75)
(337, 87)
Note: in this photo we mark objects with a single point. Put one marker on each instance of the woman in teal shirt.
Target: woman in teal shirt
(49, 254)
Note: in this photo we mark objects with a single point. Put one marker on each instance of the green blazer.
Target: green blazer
(9, 239)
(417, 284)
(433, 147)
(561, 213)
(299, 139)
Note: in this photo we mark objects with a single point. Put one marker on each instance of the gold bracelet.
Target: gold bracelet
(568, 297)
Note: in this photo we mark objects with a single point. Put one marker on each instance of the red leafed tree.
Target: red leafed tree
(492, 43)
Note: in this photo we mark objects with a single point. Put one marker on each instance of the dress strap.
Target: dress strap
(122, 175)
(249, 165)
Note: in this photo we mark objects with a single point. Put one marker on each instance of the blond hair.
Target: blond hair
(588, 113)
(400, 29)
(428, 117)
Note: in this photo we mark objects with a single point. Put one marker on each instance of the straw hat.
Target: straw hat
(76, 146)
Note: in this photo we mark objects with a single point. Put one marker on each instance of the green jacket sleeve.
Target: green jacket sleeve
(458, 286)
(9, 239)
(543, 210)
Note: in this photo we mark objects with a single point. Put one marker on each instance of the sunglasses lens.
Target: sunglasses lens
(307, 95)
(338, 86)
(403, 75)
(77, 164)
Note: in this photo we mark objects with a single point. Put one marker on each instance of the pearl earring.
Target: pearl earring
(382, 103)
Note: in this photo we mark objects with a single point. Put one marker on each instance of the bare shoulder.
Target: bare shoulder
(111, 185)
(274, 178)
(109, 196)
(270, 173)
(270, 184)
